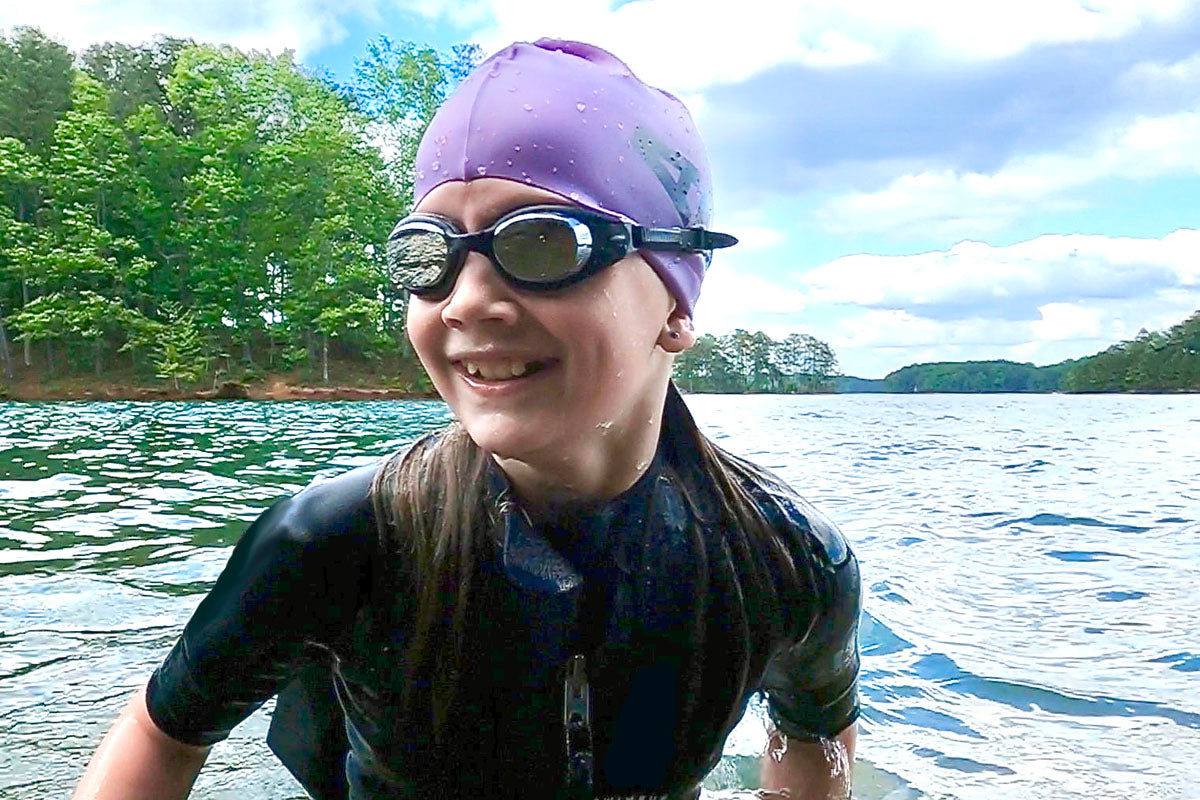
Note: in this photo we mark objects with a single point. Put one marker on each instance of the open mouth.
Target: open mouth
(502, 370)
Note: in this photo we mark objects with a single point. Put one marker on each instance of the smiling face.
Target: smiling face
(564, 388)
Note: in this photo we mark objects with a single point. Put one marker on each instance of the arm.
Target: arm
(800, 770)
(137, 761)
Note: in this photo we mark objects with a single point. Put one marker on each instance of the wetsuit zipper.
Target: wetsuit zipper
(577, 728)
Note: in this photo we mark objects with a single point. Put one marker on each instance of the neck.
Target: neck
(603, 463)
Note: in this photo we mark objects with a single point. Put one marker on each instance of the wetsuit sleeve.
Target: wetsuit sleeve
(295, 578)
(812, 682)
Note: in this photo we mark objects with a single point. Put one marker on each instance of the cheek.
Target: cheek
(422, 325)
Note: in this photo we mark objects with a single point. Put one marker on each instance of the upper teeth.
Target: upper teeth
(497, 372)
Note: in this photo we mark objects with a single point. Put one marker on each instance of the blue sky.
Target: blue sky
(916, 181)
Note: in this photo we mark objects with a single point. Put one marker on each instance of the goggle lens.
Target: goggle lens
(541, 248)
(417, 255)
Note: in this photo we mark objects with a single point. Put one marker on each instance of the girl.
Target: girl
(570, 592)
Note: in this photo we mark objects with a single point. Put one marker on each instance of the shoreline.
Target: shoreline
(278, 389)
(274, 389)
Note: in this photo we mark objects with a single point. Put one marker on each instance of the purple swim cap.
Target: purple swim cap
(571, 118)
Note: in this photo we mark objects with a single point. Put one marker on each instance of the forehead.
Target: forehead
(477, 203)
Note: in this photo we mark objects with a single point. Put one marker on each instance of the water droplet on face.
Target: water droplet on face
(481, 170)
(605, 425)
(581, 106)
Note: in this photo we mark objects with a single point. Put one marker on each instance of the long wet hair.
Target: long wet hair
(435, 527)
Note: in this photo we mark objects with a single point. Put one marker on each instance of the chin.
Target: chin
(507, 440)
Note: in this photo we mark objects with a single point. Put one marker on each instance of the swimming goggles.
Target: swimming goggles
(538, 248)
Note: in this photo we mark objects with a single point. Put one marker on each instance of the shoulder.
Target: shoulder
(795, 518)
(337, 503)
(330, 518)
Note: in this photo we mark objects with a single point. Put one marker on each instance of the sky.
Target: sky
(928, 180)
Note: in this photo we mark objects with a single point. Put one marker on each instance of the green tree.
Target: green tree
(35, 86)
(180, 352)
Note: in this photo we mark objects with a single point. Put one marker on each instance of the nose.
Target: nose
(479, 295)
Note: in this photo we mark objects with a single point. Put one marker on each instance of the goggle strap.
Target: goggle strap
(680, 239)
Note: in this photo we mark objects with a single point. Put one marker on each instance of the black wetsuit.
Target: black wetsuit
(617, 582)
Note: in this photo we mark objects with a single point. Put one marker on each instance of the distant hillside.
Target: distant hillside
(977, 377)
(848, 384)
(1162, 361)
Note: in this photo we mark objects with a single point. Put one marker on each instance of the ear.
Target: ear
(677, 334)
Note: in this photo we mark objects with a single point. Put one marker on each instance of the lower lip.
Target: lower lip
(500, 388)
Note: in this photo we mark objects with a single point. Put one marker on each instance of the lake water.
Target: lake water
(1031, 567)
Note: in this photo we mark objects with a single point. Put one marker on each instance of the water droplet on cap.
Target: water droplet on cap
(420, 175)
(517, 147)
(508, 161)
(581, 106)
(553, 170)
(574, 196)
(435, 166)
(620, 159)
(528, 107)
(481, 170)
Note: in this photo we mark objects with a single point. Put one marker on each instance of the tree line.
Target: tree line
(1160, 361)
(754, 362)
(175, 210)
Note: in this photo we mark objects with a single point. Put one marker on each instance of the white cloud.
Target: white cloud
(682, 45)
(956, 204)
(686, 45)
(1012, 281)
(731, 295)
(276, 25)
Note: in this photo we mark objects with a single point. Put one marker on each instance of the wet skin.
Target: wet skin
(564, 388)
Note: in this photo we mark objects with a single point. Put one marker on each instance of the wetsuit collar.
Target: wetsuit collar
(532, 562)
